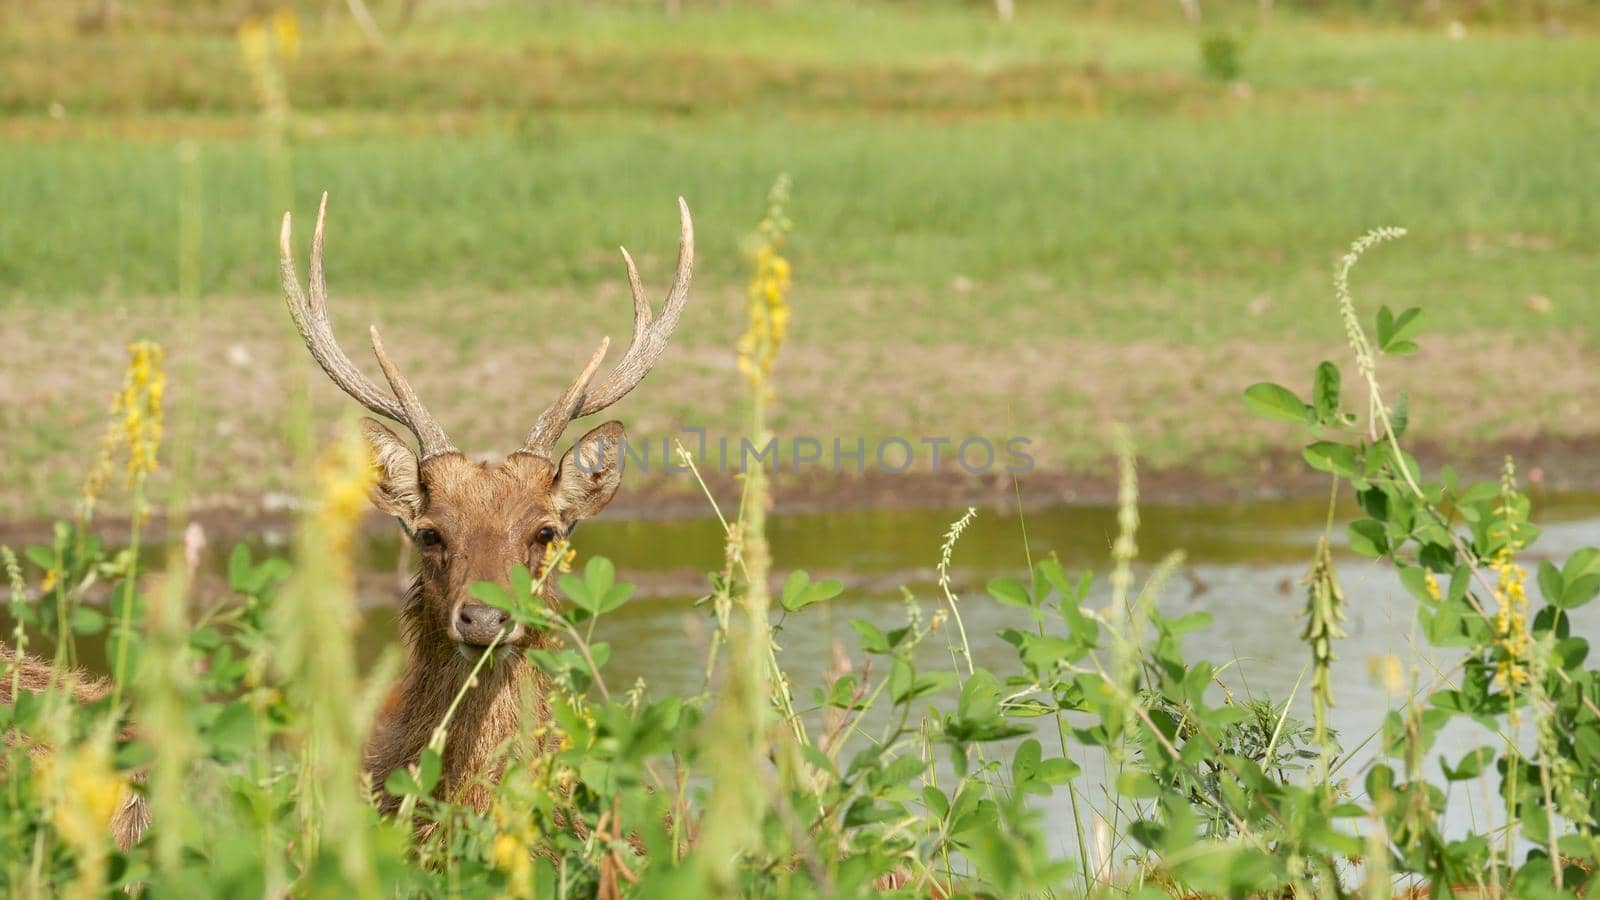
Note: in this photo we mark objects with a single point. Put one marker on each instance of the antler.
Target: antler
(311, 318)
(650, 336)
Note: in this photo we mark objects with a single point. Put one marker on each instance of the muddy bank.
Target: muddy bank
(1560, 465)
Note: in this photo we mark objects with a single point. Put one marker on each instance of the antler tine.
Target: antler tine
(431, 439)
(650, 334)
(310, 316)
(547, 428)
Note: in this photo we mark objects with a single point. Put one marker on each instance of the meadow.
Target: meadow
(1126, 236)
(1024, 205)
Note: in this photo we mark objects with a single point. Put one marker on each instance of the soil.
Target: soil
(1475, 397)
(1545, 464)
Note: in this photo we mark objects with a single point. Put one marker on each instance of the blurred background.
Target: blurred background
(1011, 218)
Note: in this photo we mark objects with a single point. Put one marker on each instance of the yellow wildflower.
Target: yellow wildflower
(559, 555)
(1388, 671)
(82, 792)
(261, 45)
(507, 848)
(135, 423)
(1511, 637)
(768, 304)
(511, 855)
(1432, 584)
(345, 474)
(252, 35)
(286, 33)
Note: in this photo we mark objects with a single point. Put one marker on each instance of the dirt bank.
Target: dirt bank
(1556, 465)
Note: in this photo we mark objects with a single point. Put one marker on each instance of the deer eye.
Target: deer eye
(544, 535)
(427, 538)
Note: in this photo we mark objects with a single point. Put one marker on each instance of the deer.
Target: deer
(473, 522)
(469, 521)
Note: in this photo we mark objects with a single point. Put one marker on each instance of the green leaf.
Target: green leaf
(817, 758)
(43, 557)
(1471, 765)
(598, 576)
(88, 620)
(1335, 458)
(521, 583)
(1041, 652)
(428, 767)
(980, 697)
(1414, 579)
(239, 568)
(1550, 582)
(900, 679)
(898, 771)
(1368, 539)
(1571, 652)
(1137, 785)
(1577, 846)
(800, 592)
(1274, 401)
(1010, 592)
(1582, 562)
(843, 693)
(1394, 332)
(1579, 591)
(491, 594)
(134, 755)
(577, 591)
(402, 783)
(1325, 393)
(1400, 415)
(929, 683)
(1058, 770)
(793, 587)
(232, 734)
(872, 638)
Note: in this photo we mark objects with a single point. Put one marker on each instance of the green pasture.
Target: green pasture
(963, 189)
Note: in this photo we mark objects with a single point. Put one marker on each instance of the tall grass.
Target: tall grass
(897, 774)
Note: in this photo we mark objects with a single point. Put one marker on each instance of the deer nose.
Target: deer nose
(478, 624)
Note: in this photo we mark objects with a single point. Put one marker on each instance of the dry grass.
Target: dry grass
(1181, 399)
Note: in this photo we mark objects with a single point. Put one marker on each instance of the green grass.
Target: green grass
(1136, 187)
(958, 185)
(1123, 221)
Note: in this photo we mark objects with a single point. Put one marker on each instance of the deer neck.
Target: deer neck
(487, 718)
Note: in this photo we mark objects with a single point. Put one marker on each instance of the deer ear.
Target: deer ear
(399, 488)
(589, 473)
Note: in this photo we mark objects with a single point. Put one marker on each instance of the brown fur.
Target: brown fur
(37, 676)
(489, 519)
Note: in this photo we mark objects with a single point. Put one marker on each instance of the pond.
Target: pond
(1244, 563)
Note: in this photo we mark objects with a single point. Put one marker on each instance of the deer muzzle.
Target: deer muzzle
(477, 625)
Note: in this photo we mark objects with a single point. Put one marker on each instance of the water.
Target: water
(1243, 565)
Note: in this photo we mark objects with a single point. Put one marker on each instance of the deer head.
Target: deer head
(473, 521)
